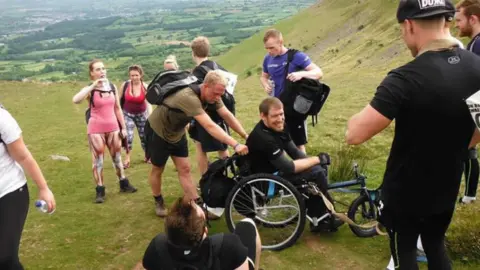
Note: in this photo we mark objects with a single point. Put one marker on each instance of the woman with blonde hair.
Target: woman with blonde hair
(170, 63)
(135, 108)
(106, 126)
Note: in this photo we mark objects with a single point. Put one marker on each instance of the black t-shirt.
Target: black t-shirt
(265, 145)
(433, 128)
(200, 73)
(232, 255)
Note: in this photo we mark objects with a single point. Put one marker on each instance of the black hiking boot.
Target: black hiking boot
(100, 197)
(126, 187)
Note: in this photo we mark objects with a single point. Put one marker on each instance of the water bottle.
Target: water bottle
(106, 85)
(272, 84)
(42, 206)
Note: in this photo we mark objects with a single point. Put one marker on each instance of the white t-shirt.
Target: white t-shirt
(12, 176)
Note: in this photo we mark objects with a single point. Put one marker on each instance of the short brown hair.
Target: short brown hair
(268, 103)
(200, 46)
(272, 33)
(470, 7)
(183, 226)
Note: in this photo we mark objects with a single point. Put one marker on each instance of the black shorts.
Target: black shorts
(209, 144)
(247, 233)
(297, 129)
(160, 150)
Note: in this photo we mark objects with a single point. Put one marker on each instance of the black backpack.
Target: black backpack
(211, 263)
(122, 99)
(227, 98)
(304, 97)
(166, 83)
(90, 101)
(215, 184)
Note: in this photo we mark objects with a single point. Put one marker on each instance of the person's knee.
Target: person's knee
(156, 171)
(184, 168)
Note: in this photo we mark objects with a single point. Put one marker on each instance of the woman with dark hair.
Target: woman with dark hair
(106, 126)
(135, 107)
(14, 196)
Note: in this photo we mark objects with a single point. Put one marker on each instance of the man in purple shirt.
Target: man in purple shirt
(274, 65)
(467, 20)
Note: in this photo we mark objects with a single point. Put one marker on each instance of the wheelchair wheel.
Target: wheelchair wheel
(275, 205)
(362, 212)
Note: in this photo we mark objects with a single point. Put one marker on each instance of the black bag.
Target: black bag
(122, 99)
(304, 97)
(215, 184)
(211, 263)
(167, 82)
(227, 98)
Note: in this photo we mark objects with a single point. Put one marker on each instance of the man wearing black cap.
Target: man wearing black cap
(433, 130)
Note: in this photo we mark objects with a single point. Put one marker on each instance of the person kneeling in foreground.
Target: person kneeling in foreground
(186, 243)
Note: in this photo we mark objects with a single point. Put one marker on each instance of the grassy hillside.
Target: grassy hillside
(355, 43)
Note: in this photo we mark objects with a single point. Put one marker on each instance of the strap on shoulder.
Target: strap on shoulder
(195, 88)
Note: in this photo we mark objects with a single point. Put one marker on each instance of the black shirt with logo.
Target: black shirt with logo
(433, 128)
(232, 254)
(264, 146)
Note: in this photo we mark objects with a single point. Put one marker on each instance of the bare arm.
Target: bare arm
(19, 152)
(214, 130)
(265, 83)
(364, 125)
(232, 121)
(312, 71)
(475, 138)
(244, 266)
(118, 110)
(80, 96)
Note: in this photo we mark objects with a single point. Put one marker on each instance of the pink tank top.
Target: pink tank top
(102, 115)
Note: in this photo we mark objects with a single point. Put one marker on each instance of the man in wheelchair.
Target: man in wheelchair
(269, 150)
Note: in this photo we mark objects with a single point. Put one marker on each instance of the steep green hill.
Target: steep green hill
(355, 43)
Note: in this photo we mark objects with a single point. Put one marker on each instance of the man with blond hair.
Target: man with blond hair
(204, 141)
(275, 76)
(166, 129)
(467, 20)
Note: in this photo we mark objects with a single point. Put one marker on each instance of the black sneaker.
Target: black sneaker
(126, 187)
(100, 197)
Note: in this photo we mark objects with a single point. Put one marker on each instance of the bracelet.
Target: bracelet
(235, 147)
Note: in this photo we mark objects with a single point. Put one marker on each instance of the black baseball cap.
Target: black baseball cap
(419, 9)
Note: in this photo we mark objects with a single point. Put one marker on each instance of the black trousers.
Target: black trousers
(13, 212)
(404, 229)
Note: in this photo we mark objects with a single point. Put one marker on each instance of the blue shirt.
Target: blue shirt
(275, 67)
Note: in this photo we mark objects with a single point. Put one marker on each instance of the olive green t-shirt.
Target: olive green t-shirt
(170, 124)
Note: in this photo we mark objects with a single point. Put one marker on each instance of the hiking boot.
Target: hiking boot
(160, 209)
(100, 197)
(126, 187)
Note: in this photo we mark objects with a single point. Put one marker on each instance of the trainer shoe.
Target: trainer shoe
(100, 197)
(126, 187)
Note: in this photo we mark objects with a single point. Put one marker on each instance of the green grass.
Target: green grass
(114, 235)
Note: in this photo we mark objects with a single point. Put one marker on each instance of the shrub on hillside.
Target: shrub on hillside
(463, 235)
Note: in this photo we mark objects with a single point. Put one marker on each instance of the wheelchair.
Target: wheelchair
(278, 206)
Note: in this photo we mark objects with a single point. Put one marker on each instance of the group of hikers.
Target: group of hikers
(424, 94)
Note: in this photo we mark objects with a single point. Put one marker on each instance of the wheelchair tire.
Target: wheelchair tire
(356, 206)
(286, 184)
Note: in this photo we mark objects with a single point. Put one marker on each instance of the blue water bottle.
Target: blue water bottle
(42, 206)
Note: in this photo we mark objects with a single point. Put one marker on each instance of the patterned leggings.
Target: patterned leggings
(132, 120)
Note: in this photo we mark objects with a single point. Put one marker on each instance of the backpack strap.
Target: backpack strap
(125, 86)
(290, 54)
(112, 87)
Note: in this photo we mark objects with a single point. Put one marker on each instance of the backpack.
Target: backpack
(122, 99)
(227, 98)
(166, 83)
(90, 101)
(211, 263)
(304, 97)
(215, 184)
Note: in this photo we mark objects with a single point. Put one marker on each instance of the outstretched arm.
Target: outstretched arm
(364, 125)
(232, 121)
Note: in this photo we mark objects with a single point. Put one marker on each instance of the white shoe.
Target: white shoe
(468, 200)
